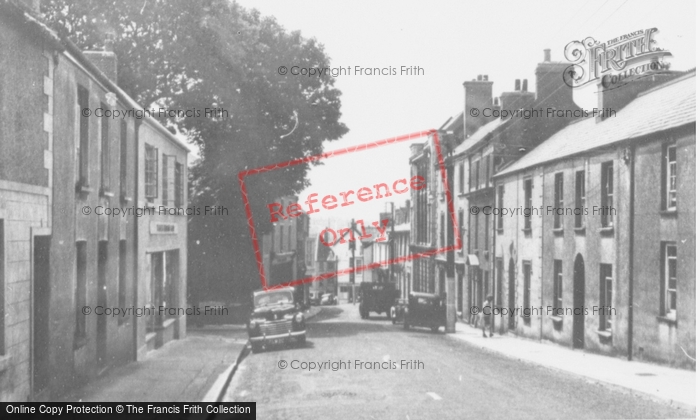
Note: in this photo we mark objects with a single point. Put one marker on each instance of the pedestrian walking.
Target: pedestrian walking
(486, 318)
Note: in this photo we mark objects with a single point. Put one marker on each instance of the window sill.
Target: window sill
(106, 193)
(556, 319)
(669, 213)
(499, 231)
(83, 189)
(558, 231)
(5, 362)
(527, 231)
(126, 199)
(604, 334)
(580, 231)
(606, 231)
(79, 342)
(526, 319)
(667, 320)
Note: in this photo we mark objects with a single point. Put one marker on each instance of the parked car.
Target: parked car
(276, 318)
(314, 297)
(397, 310)
(377, 297)
(424, 310)
(329, 299)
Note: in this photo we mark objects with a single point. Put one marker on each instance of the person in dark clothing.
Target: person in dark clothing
(486, 318)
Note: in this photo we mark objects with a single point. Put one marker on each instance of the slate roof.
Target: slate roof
(666, 106)
(478, 135)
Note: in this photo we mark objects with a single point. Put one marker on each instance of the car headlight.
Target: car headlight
(299, 317)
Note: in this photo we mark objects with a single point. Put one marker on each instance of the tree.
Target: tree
(199, 54)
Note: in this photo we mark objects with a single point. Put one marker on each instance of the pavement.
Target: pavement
(196, 368)
(674, 386)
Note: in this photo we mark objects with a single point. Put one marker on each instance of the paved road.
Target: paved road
(453, 379)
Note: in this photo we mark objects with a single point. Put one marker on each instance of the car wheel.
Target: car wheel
(388, 314)
(405, 325)
(435, 328)
(301, 340)
(255, 348)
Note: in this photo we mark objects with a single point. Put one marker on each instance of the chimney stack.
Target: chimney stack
(551, 89)
(547, 55)
(477, 94)
(524, 85)
(517, 85)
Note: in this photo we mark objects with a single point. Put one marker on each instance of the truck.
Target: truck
(377, 297)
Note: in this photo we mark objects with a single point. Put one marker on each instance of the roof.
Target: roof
(666, 106)
(478, 135)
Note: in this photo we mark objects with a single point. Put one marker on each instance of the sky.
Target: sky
(453, 42)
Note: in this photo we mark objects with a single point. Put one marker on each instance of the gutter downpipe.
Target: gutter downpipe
(630, 322)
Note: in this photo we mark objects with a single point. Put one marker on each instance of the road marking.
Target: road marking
(434, 396)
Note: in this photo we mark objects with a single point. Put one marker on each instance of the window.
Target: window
(83, 145)
(165, 180)
(527, 273)
(461, 177)
(461, 227)
(104, 152)
(558, 200)
(605, 297)
(80, 292)
(476, 232)
(151, 179)
(527, 187)
(289, 238)
(422, 207)
(122, 278)
(580, 198)
(179, 185)
(281, 246)
(477, 165)
(487, 227)
(606, 191)
(499, 282)
(499, 218)
(669, 178)
(668, 276)
(122, 158)
(558, 287)
(442, 230)
(488, 170)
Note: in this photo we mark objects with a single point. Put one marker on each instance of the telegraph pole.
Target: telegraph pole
(352, 259)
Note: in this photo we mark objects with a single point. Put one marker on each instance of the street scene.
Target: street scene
(279, 210)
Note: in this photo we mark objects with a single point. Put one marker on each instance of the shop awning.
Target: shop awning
(472, 260)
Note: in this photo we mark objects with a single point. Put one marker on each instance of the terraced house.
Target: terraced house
(614, 269)
(63, 259)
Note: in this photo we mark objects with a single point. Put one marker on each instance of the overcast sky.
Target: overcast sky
(453, 41)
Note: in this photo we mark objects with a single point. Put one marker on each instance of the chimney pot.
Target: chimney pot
(478, 77)
(495, 101)
(524, 85)
(547, 55)
(517, 85)
(486, 78)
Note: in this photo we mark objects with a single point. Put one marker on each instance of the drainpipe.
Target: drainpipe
(135, 259)
(542, 259)
(493, 255)
(631, 255)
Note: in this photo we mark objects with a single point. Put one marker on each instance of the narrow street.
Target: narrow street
(456, 380)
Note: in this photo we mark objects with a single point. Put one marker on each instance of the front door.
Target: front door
(579, 302)
(40, 319)
(102, 258)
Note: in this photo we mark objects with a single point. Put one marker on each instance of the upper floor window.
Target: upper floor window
(104, 152)
(122, 158)
(461, 177)
(527, 275)
(461, 227)
(580, 198)
(527, 187)
(499, 197)
(84, 142)
(151, 176)
(558, 286)
(488, 170)
(669, 178)
(668, 276)
(477, 168)
(442, 230)
(179, 185)
(166, 180)
(606, 192)
(558, 200)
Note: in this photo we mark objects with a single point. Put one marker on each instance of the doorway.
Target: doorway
(511, 294)
(102, 259)
(40, 312)
(579, 302)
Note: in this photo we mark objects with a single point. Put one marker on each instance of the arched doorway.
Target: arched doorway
(579, 302)
(511, 293)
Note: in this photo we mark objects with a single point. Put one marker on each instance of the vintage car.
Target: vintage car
(315, 297)
(377, 297)
(424, 310)
(329, 299)
(397, 310)
(276, 318)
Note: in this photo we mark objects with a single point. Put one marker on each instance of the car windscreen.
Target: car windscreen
(273, 298)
